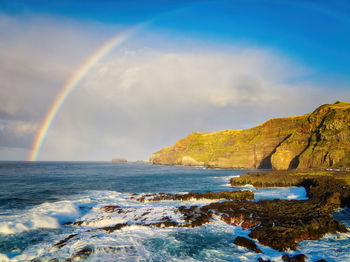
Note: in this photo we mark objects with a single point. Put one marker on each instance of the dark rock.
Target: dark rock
(82, 254)
(53, 260)
(279, 224)
(247, 243)
(228, 195)
(111, 209)
(63, 242)
(275, 223)
(296, 258)
(164, 224)
(260, 259)
(328, 187)
(114, 228)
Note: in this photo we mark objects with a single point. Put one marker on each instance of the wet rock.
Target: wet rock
(77, 223)
(328, 187)
(63, 242)
(110, 229)
(247, 243)
(195, 216)
(296, 258)
(164, 224)
(260, 259)
(82, 254)
(279, 224)
(228, 195)
(112, 209)
(275, 223)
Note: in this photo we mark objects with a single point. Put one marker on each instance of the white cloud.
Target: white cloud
(134, 103)
(139, 98)
(17, 134)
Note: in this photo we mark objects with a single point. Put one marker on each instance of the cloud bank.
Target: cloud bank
(140, 97)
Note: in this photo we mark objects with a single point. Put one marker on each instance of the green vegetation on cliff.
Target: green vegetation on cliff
(320, 139)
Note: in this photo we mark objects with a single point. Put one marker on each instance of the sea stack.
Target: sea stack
(119, 160)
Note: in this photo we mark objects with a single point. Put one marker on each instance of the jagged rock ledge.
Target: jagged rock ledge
(228, 195)
(279, 224)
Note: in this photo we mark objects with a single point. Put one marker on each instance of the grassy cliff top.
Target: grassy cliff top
(339, 105)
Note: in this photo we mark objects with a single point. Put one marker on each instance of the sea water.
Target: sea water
(38, 198)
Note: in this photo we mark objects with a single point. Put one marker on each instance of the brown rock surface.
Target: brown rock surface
(247, 243)
(279, 224)
(228, 195)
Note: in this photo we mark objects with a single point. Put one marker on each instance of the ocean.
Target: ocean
(37, 199)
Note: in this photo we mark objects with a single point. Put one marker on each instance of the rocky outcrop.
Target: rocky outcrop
(324, 187)
(279, 224)
(320, 139)
(296, 258)
(247, 243)
(228, 195)
(119, 160)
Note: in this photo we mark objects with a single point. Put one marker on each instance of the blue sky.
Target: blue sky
(196, 66)
(316, 33)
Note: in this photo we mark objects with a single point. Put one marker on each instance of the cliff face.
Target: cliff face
(319, 139)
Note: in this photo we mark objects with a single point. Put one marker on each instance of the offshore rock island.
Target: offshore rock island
(320, 139)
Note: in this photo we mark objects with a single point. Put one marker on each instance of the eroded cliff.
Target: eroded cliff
(320, 139)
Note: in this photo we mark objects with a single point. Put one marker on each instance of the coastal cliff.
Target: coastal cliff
(320, 139)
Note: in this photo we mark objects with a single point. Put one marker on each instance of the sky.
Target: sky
(187, 66)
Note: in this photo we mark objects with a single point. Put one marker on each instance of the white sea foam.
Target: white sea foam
(4, 258)
(46, 215)
(225, 179)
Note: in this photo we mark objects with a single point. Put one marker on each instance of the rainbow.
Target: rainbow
(74, 81)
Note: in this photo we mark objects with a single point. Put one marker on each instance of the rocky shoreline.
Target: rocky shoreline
(279, 224)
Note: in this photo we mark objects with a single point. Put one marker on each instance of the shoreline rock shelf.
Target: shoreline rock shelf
(279, 224)
(228, 195)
